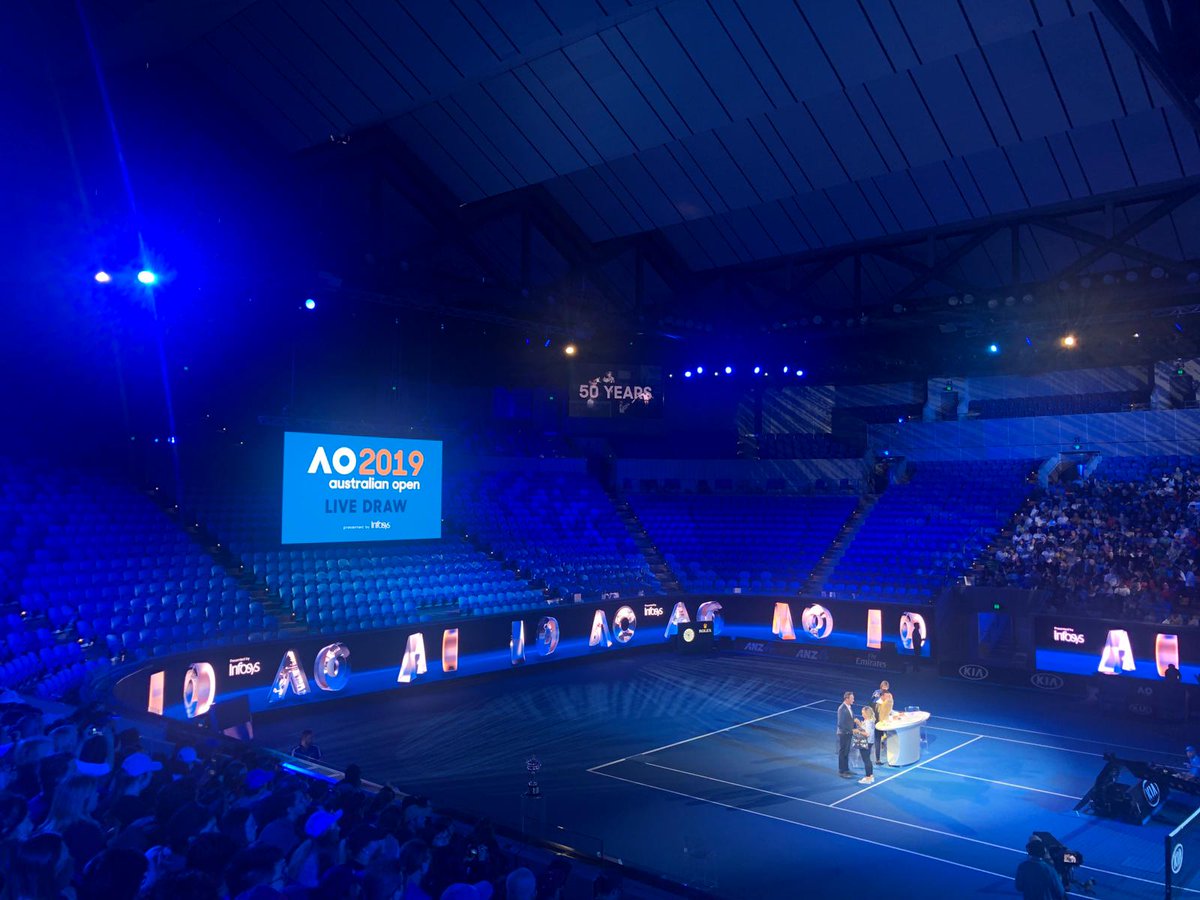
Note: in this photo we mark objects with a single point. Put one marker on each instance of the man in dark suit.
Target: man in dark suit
(845, 733)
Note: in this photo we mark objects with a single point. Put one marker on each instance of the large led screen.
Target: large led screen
(1127, 649)
(340, 488)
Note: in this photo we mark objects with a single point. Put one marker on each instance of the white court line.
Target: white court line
(992, 737)
(852, 812)
(1023, 787)
(709, 734)
(949, 862)
(1065, 737)
(906, 770)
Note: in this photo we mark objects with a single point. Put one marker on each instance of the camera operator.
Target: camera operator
(1036, 876)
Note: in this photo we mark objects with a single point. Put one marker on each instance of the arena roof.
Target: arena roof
(903, 163)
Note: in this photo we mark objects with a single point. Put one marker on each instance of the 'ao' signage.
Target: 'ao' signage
(331, 670)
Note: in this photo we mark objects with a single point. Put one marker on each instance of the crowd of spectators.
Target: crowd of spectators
(1121, 549)
(87, 813)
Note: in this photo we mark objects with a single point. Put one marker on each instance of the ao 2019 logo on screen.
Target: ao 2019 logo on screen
(341, 488)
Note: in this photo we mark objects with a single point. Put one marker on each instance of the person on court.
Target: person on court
(883, 701)
(845, 733)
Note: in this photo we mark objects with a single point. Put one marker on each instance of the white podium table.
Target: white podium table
(903, 732)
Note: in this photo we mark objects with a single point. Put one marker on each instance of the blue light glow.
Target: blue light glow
(310, 303)
(699, 370)
(687, 374)
(146, 277)
(729, 370)
(757, 369)
(993, 348)
(785, 370)
(103, 277)
(799, 373)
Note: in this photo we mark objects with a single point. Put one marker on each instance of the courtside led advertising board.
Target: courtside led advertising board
(342, 488)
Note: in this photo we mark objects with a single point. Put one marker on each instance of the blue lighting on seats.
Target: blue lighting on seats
(147, 277)
(102, 277)
(547, 344)
(310, 303)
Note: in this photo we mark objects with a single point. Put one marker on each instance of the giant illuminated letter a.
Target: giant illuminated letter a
(1117, 654)
(679, 615)
(289, 676)
(413, 663)
(781, 622)
(600, 631)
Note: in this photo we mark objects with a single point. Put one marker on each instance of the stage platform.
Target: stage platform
(721, 771)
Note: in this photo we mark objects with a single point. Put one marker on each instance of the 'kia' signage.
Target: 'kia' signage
(973, 672)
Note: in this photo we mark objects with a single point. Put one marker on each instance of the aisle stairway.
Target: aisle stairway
(829, 560)
(658, 565)
(272, 604)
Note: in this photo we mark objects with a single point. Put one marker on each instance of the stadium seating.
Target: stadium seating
(560, 528)
(346, 587)
(923, 533)
(101, 573)
(756, 543)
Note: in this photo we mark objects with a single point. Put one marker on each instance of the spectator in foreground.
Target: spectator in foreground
(306, 749)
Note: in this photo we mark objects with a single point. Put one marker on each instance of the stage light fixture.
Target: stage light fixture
(102, 277)
(729, 370)
(799, 373)
(310, 303)
(785, 370)
(757, 369)
(687, 374)
(1028, 342)
(1069, 341)
(547, 344)
(699, 370)
(147, 277)
(993, 348)
(569, 350)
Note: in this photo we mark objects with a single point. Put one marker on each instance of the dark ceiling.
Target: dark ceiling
(881, 168)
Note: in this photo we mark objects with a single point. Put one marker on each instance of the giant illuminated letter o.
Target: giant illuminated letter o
(625, 621)
(817, 621)
(546, 639)
(199, 689)
(331, 668)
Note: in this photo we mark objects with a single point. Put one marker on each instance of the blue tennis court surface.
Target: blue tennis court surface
(721, 772)
(969, 805)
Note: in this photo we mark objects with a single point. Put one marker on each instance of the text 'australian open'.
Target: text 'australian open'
(366, 506)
